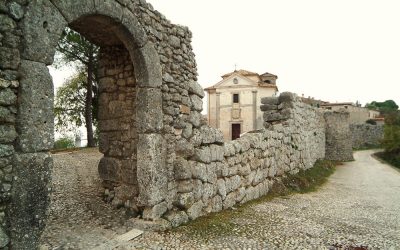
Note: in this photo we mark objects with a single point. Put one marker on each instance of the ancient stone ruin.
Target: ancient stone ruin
(158, 153)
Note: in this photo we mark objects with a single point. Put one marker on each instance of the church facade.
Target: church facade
(234, 102)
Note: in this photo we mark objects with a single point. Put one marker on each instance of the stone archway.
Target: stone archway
(131, 108)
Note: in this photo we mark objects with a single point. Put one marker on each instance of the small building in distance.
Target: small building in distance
(358, 114)
(234, 102)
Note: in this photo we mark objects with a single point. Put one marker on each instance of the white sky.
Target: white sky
(337, 50)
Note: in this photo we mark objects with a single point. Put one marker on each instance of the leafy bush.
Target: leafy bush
(64, 142)
(391, 140)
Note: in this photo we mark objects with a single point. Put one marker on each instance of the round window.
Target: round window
(235, 81)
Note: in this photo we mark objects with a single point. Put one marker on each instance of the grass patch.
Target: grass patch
(390, 158)
(309, 180)
(222, 223)
(368, 147)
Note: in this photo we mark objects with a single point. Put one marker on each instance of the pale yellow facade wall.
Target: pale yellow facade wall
(250, 95)
(358, 115)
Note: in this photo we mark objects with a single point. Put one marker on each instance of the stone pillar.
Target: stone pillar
(254, 109)
(218, 108)
(117, 124)
(338, 137)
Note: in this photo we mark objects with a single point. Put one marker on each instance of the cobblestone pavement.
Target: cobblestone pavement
(359, 206)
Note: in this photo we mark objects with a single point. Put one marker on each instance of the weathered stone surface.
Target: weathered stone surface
(9, 58)
(197, 103)
(110, 169)
(175, 42)
(16, 10)
(155, 212)
(177, 218)
(366, 135)
(151, 171)
(270, 100)
(182, 169)
(185, 200)
(74, 9)
(7, 133)
(6, 150)
(286, 97)
(30, 198)
(268, 107)
(221, 188)
(36, 132)
(195, 210)
(338, 137)
(185, 186)
(149, 110)
(42, 27)
(7, 97)
(147, 66)
(6, 23)
(195, 88)
(203, 155)
(4, 239)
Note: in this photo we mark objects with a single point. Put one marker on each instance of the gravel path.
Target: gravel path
(359, 206)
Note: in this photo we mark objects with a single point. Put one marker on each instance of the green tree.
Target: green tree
(384, 107)
(69, 105)
(76, 50)
(391, 141)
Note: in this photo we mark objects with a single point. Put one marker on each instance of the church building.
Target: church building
(234, 102)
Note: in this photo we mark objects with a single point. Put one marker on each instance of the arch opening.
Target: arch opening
(130, 102)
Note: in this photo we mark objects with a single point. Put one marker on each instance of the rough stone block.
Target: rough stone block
(221, 188)
(199, 171)
(110, 169)
(9, 58)
(147, 66)
(74, 9)
(185, 186)
(35, 121)
(229, 201)
(6, 23)
(203, 155)
(268, 107)
(195, 88)
(152, 173)
(6, 150)
(183, 169)
(149, 110)
(286, 97)
(30, 201)
(177, 218)
(185, 200)
(7, 133)
(155, 212)
(197, 103)
(270, 100)
(217, 152)
(16, 10)
(7, 97)
(195, 211)
(42, 27)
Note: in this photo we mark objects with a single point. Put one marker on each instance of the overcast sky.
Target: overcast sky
(337, 50)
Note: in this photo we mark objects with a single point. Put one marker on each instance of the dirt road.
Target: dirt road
(358, 206)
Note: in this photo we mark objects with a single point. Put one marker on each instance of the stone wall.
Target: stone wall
(366, 135)
(117, 125)
(338, 136)
(159, 155)
(216, 175)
